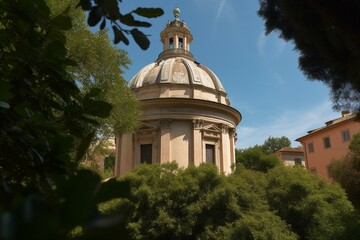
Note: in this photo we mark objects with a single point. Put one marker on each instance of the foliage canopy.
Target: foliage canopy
(346, 171)
(327, 36)
(47, 125)
(200, 203)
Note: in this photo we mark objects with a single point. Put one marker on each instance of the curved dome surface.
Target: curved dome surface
(176, 70)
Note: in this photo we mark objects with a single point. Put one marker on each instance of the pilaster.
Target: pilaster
(165, 140)
(197, 142)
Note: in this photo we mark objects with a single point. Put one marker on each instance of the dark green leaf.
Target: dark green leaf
(149, 12)
(119, 36)
(95, 16)
(56, 49)
(111, 8)
(97, 108)
(84, 146)
(93, 92)
(5, 93)
(62, 22)
(140, 39)
(84, 4)
(129, 20)
(79, 204)
(90, 120)
(112, 188)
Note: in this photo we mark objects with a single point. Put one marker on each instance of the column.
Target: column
(225, 149)
(232, 134)
(176, 42)
(185, 43)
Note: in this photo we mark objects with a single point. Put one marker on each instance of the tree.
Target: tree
(167, 202)
(326, 34)
(200, 203)
(99, 64)
(47, 124)
(346, 171)
(312, 208)
(255, 159)
(260, 157)
(274, 144)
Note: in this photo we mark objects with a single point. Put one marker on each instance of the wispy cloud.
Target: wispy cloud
(220, 10)
(292, 124)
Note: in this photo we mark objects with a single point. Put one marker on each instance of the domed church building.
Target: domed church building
(186, 115)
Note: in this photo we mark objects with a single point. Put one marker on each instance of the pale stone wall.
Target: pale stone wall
(181, 142)
(289, 159)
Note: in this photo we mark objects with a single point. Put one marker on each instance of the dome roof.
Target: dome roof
(176, 70)
(175, 73)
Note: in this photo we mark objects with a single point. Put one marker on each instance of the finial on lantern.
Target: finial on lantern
(176, 13)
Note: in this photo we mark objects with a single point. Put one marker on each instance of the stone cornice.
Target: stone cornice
(177, 108)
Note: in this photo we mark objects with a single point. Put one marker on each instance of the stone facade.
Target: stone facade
(186, 115)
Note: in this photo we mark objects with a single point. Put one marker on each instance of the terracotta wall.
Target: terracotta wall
(318, 160)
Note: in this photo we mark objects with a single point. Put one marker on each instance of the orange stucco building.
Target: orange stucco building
(324, 144)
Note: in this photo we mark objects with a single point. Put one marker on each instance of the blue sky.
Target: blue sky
(260, 73)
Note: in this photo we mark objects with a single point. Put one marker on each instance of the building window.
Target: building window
(297, 161)
(311, 147)
(345, 135)
(171, 43)
(210, 153)
(326, 141)
(181, 43)
(146, 153)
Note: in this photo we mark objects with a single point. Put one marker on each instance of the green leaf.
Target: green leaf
(129, 20)
(140, 38)
(79, 204)
(5, 92)
(95, 16)
(56, 49)
(84, 145)
(112, 188)
(84, 4)
(97, 108)
(119, 36)
(62, 22)
(149, 12)
(94, 92)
